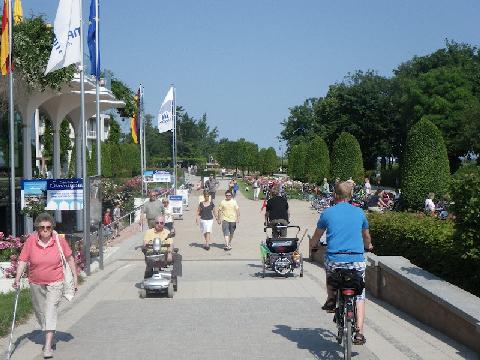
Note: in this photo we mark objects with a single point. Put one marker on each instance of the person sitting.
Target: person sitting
(161, 232)
(277, 211)
(429, 206)
(375, 203)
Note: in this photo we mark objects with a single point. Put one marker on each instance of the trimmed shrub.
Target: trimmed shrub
(347, 160)
(425, 167)
(428, 243)
(465, 190)
(296, 161)
(317, 162)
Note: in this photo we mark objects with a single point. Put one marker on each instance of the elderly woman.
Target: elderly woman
(45, 274)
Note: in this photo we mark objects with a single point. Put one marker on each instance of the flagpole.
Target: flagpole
(139, 118)
(97, 76)
(174, 114)
(86, 205)
(144, 137)
(11, 121)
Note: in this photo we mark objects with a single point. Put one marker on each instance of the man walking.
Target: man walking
(347, 237)
(211, 185)
(228, 217)
(152, 208)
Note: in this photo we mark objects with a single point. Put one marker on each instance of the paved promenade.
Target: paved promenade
(223, 309)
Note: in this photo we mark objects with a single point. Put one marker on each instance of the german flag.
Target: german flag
(4, 46)
(135, 121)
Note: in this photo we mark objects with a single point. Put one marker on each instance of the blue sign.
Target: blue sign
(54, 194)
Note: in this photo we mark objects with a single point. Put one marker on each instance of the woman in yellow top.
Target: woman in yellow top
(229, 217)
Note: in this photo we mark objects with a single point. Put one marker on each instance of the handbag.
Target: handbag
(68, 283)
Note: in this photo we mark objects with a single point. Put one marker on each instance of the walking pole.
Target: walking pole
(9, 353)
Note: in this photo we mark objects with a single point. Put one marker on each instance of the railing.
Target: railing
(100, 239)
(92, 133)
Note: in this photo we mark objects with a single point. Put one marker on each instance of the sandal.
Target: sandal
(329, 305)
(359, 339)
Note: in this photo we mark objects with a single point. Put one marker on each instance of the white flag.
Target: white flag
(66, 45)
(165, 115)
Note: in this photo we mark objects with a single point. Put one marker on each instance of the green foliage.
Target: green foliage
(268, 160)
(65, 142)
(124, 93)
(24, 308)
(428, 243)
(390, 177)
(92, 161)
(32, 44)
(317, 163)
(72, 170)
(426, 168)
(296, 161)
(114, 133)
(465, 191)
(347, 161)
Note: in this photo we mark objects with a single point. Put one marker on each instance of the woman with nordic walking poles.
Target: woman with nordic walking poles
(51, 274)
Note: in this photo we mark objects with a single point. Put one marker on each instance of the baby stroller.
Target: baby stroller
(281, 254)
(159, 275)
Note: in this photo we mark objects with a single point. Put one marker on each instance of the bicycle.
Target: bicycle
(348, 283)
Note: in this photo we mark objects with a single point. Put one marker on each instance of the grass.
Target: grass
(248, 194)
(24, 308)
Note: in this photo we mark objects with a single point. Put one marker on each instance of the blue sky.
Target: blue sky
(244, 63)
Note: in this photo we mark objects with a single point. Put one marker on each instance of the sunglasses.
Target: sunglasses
(159, 222)
(42, 227)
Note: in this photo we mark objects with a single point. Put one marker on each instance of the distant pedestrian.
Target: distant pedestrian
(116, 219)
(256, 188)
(107, 223)
(235, 188)
(152, 208)
(205, 215)
(367, 187)
(42, 252)
(168, 215)
(211, 185)
(224, 171)
(229, 217)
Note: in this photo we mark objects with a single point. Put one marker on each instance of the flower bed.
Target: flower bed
(10, 248)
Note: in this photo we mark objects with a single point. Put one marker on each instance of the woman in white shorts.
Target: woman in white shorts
(205, 216)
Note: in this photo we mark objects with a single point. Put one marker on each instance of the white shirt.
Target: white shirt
(368, 188)
(429, 205)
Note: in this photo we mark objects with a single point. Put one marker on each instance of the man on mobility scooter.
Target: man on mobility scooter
(159, 256)
(347, 238)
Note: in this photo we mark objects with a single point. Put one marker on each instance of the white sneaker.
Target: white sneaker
(47, 353)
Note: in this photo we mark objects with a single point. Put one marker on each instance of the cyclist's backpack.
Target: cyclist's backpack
(346, 279)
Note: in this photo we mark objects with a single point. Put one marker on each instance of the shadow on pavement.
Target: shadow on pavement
(215, 245)
(320, 343)
(38, 337)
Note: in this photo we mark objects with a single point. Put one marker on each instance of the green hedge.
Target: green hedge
(346, 159)
(428, 243)
(465, 191)
(425, 167)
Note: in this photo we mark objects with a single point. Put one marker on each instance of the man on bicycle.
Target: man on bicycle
(347, 237)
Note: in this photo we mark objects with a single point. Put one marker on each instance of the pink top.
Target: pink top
(45, 264)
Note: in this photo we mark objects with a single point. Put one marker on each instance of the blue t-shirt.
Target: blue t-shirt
(344, 224)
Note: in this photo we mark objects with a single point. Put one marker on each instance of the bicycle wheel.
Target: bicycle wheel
(347, 338)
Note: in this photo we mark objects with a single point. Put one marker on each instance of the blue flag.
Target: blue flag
(91, 38)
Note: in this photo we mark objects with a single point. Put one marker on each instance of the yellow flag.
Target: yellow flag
(4, 48)
(17, 11)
